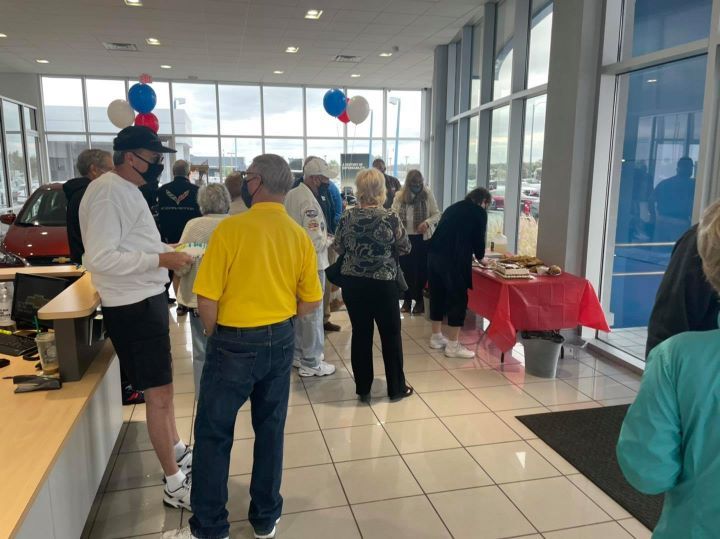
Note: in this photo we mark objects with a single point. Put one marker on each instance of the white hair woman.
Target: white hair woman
(370, 239)
(669, 440)
(214, 202)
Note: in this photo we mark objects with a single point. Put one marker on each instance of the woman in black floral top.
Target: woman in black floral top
(371, 239)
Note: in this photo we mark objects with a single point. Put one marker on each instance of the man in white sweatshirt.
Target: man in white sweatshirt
(129, 266)
(302, 205)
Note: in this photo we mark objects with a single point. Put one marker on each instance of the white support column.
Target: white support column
(569, 132)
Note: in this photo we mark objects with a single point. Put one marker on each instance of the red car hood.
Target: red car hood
(34, 241)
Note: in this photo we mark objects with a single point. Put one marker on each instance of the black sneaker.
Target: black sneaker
(132, 396)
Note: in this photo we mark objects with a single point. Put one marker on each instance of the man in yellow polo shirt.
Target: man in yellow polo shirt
(259, 272)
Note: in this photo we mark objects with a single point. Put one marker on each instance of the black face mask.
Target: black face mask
(153, 171)
(416, 189)
(246, 195)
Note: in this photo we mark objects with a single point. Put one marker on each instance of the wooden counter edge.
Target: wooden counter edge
(97, 369)
(77, 301)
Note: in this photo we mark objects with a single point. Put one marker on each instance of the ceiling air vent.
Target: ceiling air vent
(345, 59)
(126, 47)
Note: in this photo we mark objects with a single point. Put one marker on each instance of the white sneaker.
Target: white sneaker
(182, 533)
(185, 461)
(459, 351)
(323, 369)
(179, 498)
(270, 535)
(438, 342)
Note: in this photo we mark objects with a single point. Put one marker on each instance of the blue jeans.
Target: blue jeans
(310, 335)
(199, 345)
(241, 363)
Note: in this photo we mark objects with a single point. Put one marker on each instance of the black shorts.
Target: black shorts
(140, 334)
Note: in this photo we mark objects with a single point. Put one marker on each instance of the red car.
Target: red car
(37, 235)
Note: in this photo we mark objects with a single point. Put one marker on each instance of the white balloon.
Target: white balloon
(121, 113)
(358, 109)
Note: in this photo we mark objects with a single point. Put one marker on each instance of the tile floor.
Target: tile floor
(451, 461)
(630, 340)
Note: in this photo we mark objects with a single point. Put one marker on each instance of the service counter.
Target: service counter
(55, 445)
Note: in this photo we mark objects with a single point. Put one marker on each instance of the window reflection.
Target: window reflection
(661, 24)
(660, 147)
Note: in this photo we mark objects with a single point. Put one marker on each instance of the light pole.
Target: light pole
(396, 101)
(370, 158)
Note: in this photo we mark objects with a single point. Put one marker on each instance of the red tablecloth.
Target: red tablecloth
(543, 303)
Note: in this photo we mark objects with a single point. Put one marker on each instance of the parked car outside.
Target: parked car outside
(37, 235)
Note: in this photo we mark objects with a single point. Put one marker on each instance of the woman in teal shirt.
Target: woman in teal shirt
(670, 439)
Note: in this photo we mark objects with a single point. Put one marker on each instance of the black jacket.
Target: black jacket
(685, 300)
(460, 234)
(392, 185)
(177, 204)
(74, 190)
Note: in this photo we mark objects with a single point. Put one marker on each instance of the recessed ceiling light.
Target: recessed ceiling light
(386, 54)
(314, 14)
(278, 72)
(152, 41)
(134, 3)
(355, 75)
(652, 80)
(292, 50)
(42, 61)
(165, 66)
(3, 35)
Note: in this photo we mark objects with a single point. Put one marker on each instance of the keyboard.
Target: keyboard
(16, 345)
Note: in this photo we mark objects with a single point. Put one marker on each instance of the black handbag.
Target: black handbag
(333, 271)
(400, 279)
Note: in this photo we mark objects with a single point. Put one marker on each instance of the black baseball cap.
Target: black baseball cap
(138, 137)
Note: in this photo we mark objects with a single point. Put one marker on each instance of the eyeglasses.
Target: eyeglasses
(248, 175)
(158, 158)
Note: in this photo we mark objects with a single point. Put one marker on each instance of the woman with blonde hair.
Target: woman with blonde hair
(670, 440)
(370, 240)
(419, 213)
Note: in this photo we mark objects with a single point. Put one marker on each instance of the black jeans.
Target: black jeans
(241, 363)
(415, 266)
(448, 292)
(371, 301)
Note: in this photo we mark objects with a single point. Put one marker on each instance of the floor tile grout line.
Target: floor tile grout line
(337, 474)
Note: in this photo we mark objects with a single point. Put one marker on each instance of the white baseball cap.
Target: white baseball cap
(316, 167)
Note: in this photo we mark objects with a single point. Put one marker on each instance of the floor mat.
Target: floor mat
(587, 440)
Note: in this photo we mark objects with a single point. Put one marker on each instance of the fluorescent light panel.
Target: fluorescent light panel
(386, 54)
(278, 72)
(42, 61)
(313, 14)
(292, 50)
(152, 41)
(166, 66)
(134, 3)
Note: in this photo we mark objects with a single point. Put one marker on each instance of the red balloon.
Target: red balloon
(344, 118)
(148, 120)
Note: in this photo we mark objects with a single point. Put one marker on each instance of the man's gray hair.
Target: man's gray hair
(88, 158)
(275, 172)
(234, 182)
(213, 198)
(181, 168)
(119, 156)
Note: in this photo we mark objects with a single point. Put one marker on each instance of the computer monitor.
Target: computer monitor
(31, 293)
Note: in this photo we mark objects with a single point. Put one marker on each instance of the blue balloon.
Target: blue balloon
(335, 102)
(142, 98)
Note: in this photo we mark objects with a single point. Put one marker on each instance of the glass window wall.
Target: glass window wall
(533, 145)
(504, 32)
(539, 44)
(253, 119)
(661, 24)
(498, 172)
